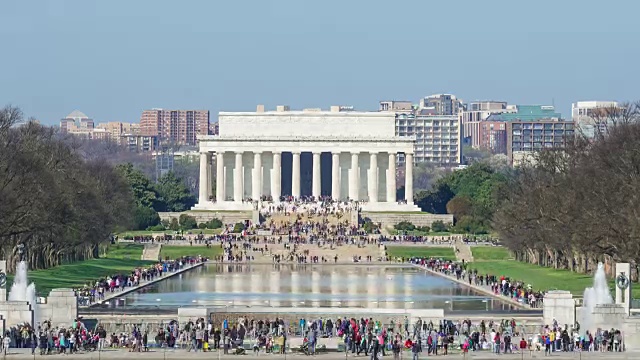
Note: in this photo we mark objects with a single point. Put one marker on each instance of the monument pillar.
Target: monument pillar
(256, 191)
(295, 176)
(3, 280)
(316, 184)
(237, 179)
(276, 173)
(391, 179)
(623, 286)
(408, 178)
(335, 176)
(203, 193)
(220, 184)
(354, 177)
(373, 178)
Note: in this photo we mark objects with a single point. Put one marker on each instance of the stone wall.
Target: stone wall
(227, 217)
(417, 219)
(61, 308)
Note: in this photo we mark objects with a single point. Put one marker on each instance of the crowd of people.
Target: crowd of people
(98, 290)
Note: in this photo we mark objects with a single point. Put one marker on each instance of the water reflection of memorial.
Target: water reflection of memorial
(389, 287)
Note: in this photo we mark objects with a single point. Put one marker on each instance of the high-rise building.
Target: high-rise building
(437, 135)
(442, 104)
(492, 136)
(175, 126)
(117, 129)
(524, 137)
(477, 112)
(592, 117)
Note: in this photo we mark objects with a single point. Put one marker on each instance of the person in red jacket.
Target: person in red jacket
(523, 345)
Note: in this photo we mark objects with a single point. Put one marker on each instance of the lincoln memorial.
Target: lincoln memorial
(347, 155)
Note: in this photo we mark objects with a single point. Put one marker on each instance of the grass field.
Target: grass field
(174, 252)
(119, 258)
(498, 261)
(482, 253)
(421, 251)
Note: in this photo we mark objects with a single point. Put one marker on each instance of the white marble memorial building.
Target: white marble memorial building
(342, 154)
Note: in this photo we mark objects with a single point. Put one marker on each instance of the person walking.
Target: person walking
(415, 350)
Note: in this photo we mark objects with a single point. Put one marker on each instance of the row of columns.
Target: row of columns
(256, 189)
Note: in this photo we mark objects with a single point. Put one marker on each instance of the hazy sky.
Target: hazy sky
(112, 59)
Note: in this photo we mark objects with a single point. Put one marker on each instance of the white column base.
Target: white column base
(390, 207)
(224, 205)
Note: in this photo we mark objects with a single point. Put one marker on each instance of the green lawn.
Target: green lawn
(174, 252)
(120, 258)
(481, 253)
(421, 251)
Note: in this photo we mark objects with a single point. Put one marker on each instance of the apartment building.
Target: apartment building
(592, 117)
(175, 126)
(475, 113)
(524, 137)
(442, 104)
(139, 143)
(437, 135)
(117, 129)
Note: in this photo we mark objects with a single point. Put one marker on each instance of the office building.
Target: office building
(116, 129)
(76, 121)
(477, 112)
(592, 117)
(442, 104)
(524, 137)
(492, 136)
(175, 126)
(437, 136)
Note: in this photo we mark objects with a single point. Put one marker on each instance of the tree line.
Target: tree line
(63, 202)
(574, 208)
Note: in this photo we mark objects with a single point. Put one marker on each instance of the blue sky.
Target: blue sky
(112, 59)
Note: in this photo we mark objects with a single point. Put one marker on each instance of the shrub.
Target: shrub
(187, 222)
(424, 229)
(404, 226)
(369, 227)
(214, 224)
(158, 227)
(174, 225)
(202, 226)
(439, 226)
(238, 227)
(143, 217)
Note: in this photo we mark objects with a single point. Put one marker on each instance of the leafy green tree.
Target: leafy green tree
(174, 224)
(439, 226)
(435, 200)
(187, 222)
(144, 193)
(173, 194)
(460, 206)
(144, 217)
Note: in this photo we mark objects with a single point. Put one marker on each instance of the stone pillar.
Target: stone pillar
(623, 286)
(237, 179)
(391, 179)
(209, 176)
(335, 176)
(408, 178)
(316, 184)
(203, 194)
(220, 186)
(373, 178)
(276, 174)
(3, 287)
(295, 175)
(354, 178)
(256, 184)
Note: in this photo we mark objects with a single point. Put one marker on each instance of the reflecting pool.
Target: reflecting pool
(367, 286)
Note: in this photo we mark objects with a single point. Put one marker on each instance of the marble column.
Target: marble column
(256, 184)
(209, 176)
(391, 179)
(220, 186)
(202, 191)
(354, 178)
(237, 179)
(316, 184)
(295, 176)
(373, 178)
(276, 173)
(408, 178)
(335, 176)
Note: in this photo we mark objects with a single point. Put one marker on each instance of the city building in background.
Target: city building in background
(116, 129)
(525, 137)
(442, 104)
(592, 117)
(492, 136)
(179, 127)
(437, 133)
(77, 121)
(477, 112)
(139, 143)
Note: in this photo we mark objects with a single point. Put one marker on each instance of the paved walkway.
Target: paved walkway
(406, 355)
(117, 294)
(463, 251)
(151, 252)
(481, 289)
